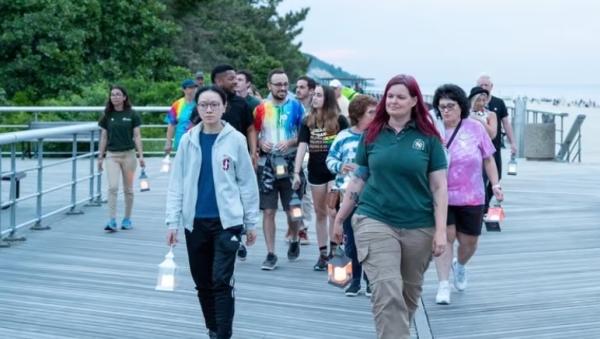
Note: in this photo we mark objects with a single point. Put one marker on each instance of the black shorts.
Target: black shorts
(467, 219)
(282, 189)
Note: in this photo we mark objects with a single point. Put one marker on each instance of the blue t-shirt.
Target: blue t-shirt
(206, 203)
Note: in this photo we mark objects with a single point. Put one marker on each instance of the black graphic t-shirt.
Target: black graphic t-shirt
(319, 142)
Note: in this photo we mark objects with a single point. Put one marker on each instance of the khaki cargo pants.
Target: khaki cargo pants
(394, 260)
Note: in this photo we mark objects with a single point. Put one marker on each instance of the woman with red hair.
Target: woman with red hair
(400, 191)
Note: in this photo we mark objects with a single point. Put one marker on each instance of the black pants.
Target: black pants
(211, 253)
(489, 193)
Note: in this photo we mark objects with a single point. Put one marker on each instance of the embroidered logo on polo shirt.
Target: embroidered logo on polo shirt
(419, 145)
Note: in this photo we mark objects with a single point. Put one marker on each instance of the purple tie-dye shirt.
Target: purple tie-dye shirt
(465, 175)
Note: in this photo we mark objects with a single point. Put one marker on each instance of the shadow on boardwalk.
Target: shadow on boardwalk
(536, 279)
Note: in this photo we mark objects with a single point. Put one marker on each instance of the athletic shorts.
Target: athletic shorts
(467, 219)
(282, 189)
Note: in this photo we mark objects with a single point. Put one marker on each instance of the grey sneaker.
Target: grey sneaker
(460, 275)
(293, 251)
(270, 262)
(321, 264)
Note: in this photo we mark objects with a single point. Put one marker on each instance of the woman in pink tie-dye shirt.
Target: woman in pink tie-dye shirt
(470, 150)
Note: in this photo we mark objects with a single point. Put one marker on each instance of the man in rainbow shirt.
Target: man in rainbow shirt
(277, 121)
(179, 115)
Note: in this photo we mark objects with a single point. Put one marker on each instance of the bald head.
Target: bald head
(484, 81)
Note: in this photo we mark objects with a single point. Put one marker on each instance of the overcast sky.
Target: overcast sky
(518, 42)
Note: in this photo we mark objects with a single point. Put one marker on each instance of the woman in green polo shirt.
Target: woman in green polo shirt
(401, 192)
(121, 137)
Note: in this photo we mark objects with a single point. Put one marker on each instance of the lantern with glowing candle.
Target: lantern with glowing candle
(512, 165)
(144, 184)
(280, 167)
(339, 269)
(166, 273)
(165, 166)
(296, 208)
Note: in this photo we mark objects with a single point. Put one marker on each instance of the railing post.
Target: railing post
(74, 209)
(520, 122)
(13, 195)
(92, 202)
(38, 204)
(2, 242)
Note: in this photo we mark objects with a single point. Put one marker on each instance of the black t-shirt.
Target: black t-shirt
(497, 106)
(319, 143)
(119, 129)
(238, 114)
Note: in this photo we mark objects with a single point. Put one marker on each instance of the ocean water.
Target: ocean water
(563, 93)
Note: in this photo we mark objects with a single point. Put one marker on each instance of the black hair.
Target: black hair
(312, 84)
(218, 70)
(273, 72)
(109, 108)
(247, 74)
(213, 88)
(454, 93)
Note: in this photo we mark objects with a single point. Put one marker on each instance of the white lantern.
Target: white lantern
(144, 183)
(165, 166)
(295, 207)
(512, 166)
(339, 269)
(166, 273)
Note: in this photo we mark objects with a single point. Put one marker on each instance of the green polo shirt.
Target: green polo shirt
(119, 129)
(397, 190)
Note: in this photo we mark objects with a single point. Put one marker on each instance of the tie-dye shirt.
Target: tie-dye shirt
(471, 145)
(180, 115)
(275, 123)
(342, 151)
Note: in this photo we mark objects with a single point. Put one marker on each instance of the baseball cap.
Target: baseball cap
(335, 83)
(200, 74)
(187, 83)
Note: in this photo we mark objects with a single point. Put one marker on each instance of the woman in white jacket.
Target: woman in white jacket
(213, 194)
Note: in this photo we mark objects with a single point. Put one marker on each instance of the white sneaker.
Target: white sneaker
(443, 293)
(460, 275)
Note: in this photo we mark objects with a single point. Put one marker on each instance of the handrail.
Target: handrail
(37, 136)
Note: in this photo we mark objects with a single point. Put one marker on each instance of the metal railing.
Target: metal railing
(15, 174)
(89, 113)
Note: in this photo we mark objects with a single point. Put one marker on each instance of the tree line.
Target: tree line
(68, 51)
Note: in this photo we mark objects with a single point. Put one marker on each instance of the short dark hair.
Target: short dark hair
(312, 84)
(218, 70)
(358, 107)
(273, 72)
(247, 74)
(213, 88)
(454, 93)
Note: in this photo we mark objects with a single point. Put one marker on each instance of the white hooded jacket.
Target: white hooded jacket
(233, 174)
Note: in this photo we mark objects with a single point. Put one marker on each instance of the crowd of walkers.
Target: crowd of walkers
(394, 181)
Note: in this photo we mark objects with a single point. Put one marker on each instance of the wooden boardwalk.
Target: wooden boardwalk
(539, 278)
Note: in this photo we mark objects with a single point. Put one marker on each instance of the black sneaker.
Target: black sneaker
(321, 264)
(242, 252)
(212, 334)
(368, 292)
(353, 290)
(270, 262)
(293, 250)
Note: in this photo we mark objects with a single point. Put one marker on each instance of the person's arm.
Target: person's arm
(102, 148)
(174, 199)
(489, 165)
(169, 141)
(491, 126)
(509, 134)
(252, 144)
(137, 139)
(355, 188)
(439, 189)
(300, 152)
(334, 157)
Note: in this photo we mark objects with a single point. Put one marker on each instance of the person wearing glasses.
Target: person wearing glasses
(469, 149)
(121, 136)
(400, 187)
(213, 157)
(277, 121)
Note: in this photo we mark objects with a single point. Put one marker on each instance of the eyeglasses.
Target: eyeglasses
(447, 107)
(280, 84)
(204, 105)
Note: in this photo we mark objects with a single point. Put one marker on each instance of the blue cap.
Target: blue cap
(187, 83)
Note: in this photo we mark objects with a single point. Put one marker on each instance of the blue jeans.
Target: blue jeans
(350, 249)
